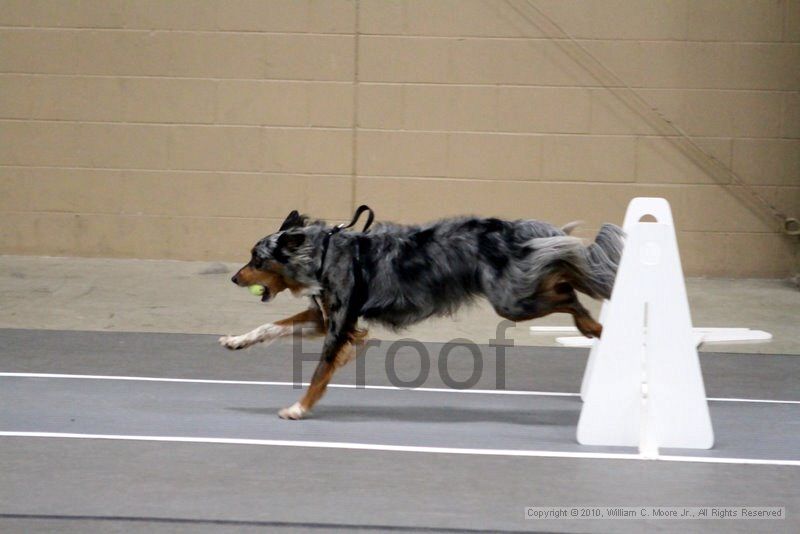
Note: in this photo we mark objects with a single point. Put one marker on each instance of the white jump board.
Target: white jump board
(701, 335)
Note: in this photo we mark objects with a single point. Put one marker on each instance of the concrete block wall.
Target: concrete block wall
(187, 129)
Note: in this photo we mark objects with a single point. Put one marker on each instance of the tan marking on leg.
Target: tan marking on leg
(319, 382)
(586, 323)
(556, 295)
(309, 316)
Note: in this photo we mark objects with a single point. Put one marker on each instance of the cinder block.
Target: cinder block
(131, 53)
(166, 100)
(557, 203)
(402, 59)
(664, 160)
(791, 32)
(742, 66)
(60, 98)
(207, 54)
(428, 107)
(75, 14)
(84, 145)
(284, 103)
(457, 18)
(619, 19)
(30, 50)
(388, 153)
(735, 20)
(165, 193)
(766, 66)
(651, 64)
(544, 109)
(315, 16)
(786, 199)
(385, 17)
(767, 161)
(381, 106)
(791, 115)
(716, 209)
(307, 150)
(330, 104)
(610, 114)
(584, 158)
(174, 15)
(216, 148)
(262, 56)
(705, 254)
(130, 236)
(732, 113)
(498, 61)
(765, 255)
(450, 107)
(717, 113)
(495, 156)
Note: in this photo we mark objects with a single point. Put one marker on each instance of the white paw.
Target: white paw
(234, 342)
(293, 412)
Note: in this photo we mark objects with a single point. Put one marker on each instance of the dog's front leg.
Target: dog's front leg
(269, 332)
(336, 351)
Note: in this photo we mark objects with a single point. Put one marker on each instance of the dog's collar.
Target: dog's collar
(338, 228)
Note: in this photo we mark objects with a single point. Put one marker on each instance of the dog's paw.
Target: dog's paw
(293, 412)
(234, 342)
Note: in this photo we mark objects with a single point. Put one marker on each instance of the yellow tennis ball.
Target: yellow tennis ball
(256, 290)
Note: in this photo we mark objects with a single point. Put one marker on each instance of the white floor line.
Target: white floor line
(352, 386)
(405, 448)
(256, 383)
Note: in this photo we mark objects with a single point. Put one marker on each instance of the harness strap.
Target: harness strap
(361, 209)
(338, 228)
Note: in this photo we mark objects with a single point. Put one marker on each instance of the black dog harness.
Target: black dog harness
(338, 228)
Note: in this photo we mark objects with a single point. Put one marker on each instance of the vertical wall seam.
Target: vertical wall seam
(785, 21)
(354, 156)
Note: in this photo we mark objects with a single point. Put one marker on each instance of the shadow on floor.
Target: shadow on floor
(431, 414)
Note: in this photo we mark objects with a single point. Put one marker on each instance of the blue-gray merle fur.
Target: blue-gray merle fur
(398, 275)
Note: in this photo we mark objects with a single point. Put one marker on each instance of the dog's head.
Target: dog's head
(277, 261)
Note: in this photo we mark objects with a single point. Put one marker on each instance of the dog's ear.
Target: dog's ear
(291, 241)
(292, 220)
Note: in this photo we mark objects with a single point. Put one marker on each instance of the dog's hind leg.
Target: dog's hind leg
(554, 295)
(311, 317)
(583, 319)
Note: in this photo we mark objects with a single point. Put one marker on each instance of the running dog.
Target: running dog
(399, 275)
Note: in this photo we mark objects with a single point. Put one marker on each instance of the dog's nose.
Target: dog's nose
(235, 279)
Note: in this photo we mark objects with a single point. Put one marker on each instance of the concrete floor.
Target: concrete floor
(539, 423)
(125, 484)
(197, 297)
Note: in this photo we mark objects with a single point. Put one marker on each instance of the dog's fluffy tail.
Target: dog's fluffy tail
(592, 268)
(604, 255)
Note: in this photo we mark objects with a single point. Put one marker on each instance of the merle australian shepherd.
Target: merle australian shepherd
(398, 275)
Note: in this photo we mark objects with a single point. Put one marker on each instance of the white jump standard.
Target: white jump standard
(643, 385)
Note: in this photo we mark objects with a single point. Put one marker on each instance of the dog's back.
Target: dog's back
(414, 272)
